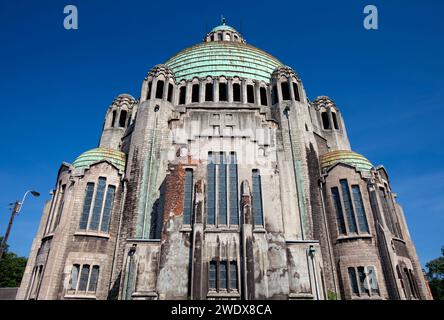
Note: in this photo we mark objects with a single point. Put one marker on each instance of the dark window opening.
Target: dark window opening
(159, 89)
(211, 190)
(223, 92)
(182, 92)
(250, 93)
(362, 282)
(285, 91)
(233, 275)
(339, 213)
(170, 92)
(212, 275)
(223, 275)
(113, 121)
(236, 92)
(195, 93)
(296, 91)
(353, 281)
(274, 95)
(335, 121)
(209, 92)
(234, 214)
(359, 206)
(325, 121)
(346, 197)
(263, 93)
(150, 85)
(222, 189)
(122, 119)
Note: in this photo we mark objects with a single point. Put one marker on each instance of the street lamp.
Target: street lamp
(15, 210)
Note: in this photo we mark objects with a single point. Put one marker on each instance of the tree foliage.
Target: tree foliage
(12, 268)
(435, 276)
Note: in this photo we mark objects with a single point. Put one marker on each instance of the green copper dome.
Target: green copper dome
(223, 27)
(92, 156)
(348, 157)
(223, 58)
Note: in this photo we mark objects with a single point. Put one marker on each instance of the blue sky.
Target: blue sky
(56, 85)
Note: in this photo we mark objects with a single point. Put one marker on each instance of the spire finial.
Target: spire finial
(222, 19)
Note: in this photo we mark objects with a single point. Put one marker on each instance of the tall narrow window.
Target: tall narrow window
(170, 92)
(274, 95)
(86, 205)
(236, 92)
(359, 206)
(113, 121)
(372, 280)
(159, 89)
(233, 275)
(182, 92)
(188, 196)
(209, 92)
(250, 93)
(211, 190)
(98, 202)
(353, 280)
(92, 286)
(223, 91)
(234, 214)
(223, 275)
(362, 280)
(222, 189)
(285, 91)
(257, 198)
(415, 286)
(386, 209)
(410, 280)
(348, 206)
(84, 275)
(150, 86)
(61, 205)
(325, 121)
(339, 212)
(195, 93)
(122, 119)
(263, 93)
(107, 208)
(335, 120)
(74, 277)
(296, 91)
(212, 274)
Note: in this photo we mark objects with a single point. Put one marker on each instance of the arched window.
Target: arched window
(274, 95)
(122, 119)
(182, 92)
(223, 91)
(150, 85)
(159, 89)
(250, 93)
(209, 92)
(113, 121)
(296, 91)
(195, 93)
(263, 93)
(325, 120)
(236, 92)
(170, 92)
(219, 36)
(335, 121)
(285, 91)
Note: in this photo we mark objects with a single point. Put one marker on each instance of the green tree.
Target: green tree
(435, 276)
(12, 268)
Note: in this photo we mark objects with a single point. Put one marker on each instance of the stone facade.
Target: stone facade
(220, 184)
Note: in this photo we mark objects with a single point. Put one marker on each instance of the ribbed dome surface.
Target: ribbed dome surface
(89, 157)
(345, 156)
(223, 58)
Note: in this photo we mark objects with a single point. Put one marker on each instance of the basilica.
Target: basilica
(222, 180)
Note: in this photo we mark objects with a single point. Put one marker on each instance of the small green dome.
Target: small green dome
(223, 27)
(345, 156)
(92, 156)
(223, 58)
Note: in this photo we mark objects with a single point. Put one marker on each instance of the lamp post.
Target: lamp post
(17, 207)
